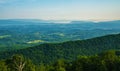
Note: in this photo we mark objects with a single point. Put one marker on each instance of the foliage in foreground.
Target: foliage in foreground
(106, 61)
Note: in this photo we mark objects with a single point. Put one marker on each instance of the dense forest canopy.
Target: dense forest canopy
(106, 61)
(49, 52)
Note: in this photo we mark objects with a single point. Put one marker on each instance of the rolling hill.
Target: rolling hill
(24, 33)
(50, 52)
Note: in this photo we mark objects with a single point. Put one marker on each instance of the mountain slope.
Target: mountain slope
(68, 50)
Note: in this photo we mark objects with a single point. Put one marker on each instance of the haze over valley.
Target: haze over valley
(23, 33)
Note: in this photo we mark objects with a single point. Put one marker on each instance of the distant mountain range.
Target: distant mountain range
(82, 24)
(26, 21)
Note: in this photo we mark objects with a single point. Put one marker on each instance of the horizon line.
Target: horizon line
(92, 20)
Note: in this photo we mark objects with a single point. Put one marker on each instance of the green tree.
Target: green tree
(29, 66)
(3, 66)
(19, 63)
(109, 57)
(59, 65)
(16, 63)
(42, 67)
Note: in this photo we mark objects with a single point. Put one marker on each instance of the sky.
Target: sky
(60, 9)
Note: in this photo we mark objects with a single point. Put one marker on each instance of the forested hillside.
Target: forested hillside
(49, 52)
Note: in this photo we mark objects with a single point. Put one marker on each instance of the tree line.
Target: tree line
(106, 61)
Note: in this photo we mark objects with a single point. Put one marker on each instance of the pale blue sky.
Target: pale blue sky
(60, 9)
